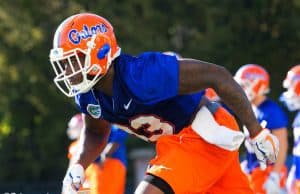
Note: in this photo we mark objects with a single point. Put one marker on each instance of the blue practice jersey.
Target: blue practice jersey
(145, 98)
(275, 117)
(119, 136)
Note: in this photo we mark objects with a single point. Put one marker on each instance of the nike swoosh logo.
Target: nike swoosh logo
(161, 167)
(126, 106)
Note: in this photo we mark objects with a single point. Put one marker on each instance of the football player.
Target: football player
(291, 98)
(159, 98)
(111, 163)
(254, 79)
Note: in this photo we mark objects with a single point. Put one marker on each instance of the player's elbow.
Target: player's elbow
(224, 71)
(221, 77)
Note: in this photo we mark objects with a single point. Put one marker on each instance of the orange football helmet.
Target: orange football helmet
(291, 97)
(254, 79)
(85, 44)
(74, 127)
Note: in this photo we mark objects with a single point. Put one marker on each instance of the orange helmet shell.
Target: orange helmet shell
(87, 35)
(254, 79)
(77, 30)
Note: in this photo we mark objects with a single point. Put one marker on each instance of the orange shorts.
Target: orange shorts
(258, 177)
(190, 165)
(109, 178)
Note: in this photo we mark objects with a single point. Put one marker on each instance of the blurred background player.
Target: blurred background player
(254, 79)
(291, 98)
(111, 164)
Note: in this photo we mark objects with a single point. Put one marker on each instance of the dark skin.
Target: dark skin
(195, 75)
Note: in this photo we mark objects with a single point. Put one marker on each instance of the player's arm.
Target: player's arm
(196, 75)
(282, 136)
(93, 140)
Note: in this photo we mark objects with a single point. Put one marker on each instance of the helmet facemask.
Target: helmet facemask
(74, 70)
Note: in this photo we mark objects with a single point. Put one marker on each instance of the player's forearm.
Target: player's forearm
(280, 161)
(196, 75)
(233, 95)
(283, 148)
(91, 145)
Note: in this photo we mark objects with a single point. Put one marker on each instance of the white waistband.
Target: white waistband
(206, 126)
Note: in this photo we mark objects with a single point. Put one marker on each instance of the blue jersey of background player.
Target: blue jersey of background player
(119, 137)
(113, 163)
(276, 119)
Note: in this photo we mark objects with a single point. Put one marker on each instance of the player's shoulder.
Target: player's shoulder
(148, 56)
(149, 76)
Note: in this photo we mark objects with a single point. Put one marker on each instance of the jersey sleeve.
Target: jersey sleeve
(151, 76)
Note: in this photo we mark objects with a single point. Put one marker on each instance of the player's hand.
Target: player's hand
(272, 184)
(73, 179)
(266, 147)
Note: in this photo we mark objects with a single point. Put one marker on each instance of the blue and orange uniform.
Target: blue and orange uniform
(145, 102)
(114, 166)
(275, 118)
(99, 174)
